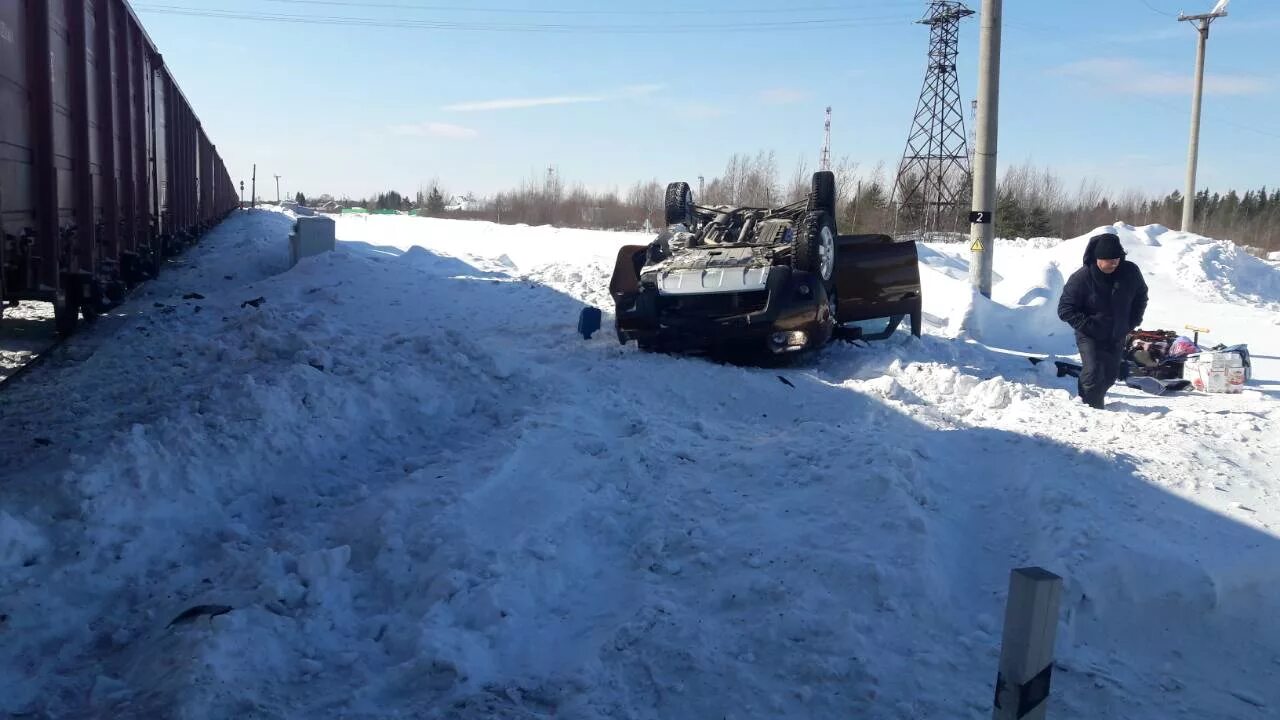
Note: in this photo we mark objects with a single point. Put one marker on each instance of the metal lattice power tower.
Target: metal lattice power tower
(825, 162)
(935, 171)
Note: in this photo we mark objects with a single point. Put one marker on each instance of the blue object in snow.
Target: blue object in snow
(588, 321)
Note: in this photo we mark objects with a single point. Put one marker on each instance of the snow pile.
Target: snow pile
(20, 542)
(1227, 272)
(1032, 243)
(1194, 280)
(392, 481)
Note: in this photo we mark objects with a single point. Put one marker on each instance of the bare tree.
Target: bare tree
(801, 182)
(1031, 201)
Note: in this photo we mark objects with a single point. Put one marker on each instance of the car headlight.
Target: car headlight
(781, 342)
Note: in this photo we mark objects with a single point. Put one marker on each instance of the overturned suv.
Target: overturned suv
(777, 280)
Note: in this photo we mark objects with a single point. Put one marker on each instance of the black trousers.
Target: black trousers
(1101, 367)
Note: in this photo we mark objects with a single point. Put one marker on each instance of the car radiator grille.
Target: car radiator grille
(716, 305)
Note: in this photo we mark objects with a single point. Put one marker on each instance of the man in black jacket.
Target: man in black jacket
(1103, 302)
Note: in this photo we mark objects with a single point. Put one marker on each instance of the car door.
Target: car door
(876, 277)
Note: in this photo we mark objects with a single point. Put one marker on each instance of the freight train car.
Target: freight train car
(105, 169)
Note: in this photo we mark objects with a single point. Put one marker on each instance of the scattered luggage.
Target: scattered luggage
(1162, 361)
(1165, 355)
(1155, 353)
(1156, 386)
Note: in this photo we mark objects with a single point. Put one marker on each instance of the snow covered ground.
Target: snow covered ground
(25, 331)
(393, 482)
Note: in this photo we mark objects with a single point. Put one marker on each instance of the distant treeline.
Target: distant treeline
(1033, 202)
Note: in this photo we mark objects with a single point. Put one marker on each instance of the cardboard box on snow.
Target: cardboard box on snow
(1215, 372)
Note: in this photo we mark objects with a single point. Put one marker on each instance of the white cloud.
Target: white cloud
(436, 129)
(516, 103)
(629, 91)
(1125, 75)
(783, 96)
(638, 90)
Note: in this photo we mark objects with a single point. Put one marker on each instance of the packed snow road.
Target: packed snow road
(392, 482)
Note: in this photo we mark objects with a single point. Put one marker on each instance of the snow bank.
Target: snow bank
(21, 543)
(1192, 279)
(393, 481)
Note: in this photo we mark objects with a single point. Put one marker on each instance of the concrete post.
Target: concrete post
(1026, 648)
(1193, 151)
(982, 219)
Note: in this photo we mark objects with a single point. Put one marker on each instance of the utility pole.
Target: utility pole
(253, 188)
(1193, 151)
(982, 221)
(277, 189)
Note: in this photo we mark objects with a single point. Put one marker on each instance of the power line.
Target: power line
(1226, 121)
(627, 28)
(578, 11)
(1156, 11)
(1273, 133)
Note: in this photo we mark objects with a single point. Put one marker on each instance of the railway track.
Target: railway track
(46, 343)
(27, 337)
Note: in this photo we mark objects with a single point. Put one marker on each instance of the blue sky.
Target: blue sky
(1091, 88)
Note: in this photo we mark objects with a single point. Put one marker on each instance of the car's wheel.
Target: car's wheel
(679, 203)
(824, 192)
(815, 248)
(66, 309)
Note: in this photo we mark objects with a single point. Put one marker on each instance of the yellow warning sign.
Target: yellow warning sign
(976, 246)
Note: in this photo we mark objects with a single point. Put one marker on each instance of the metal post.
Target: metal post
(982, 219)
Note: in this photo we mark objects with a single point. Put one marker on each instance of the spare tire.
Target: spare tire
(815, 247)
(824, 192)
(679, 203)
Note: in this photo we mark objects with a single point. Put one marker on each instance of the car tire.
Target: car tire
(66, 310)
(815, 246)
(824, 192)
(679, 204)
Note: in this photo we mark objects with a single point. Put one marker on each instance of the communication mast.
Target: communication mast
(826, 144)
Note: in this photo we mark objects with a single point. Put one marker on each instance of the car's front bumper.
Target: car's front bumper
(789, 314)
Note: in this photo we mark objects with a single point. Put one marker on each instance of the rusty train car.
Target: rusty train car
(105, 170)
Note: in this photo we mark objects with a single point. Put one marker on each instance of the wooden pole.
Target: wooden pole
(1026, 653)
